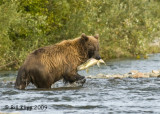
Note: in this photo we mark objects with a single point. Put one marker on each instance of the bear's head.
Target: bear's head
(92, 44)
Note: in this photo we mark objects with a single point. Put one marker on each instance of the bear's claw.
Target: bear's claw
(82, 81)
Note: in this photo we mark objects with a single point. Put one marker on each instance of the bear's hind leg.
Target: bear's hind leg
(22, 79)
(21, 86)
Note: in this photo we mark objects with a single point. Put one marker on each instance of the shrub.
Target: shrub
(126, 27)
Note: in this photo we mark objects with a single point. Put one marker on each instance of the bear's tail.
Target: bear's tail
(22, 79)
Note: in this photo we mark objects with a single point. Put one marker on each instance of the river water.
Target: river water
(98, 96)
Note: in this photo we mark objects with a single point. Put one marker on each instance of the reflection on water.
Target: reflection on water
(126, 95)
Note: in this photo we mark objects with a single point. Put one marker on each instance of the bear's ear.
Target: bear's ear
(83, 36)
(96, 36)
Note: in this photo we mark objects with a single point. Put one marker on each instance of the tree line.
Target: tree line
(126, 27)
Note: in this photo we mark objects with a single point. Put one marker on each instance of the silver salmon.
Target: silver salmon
(90, 63)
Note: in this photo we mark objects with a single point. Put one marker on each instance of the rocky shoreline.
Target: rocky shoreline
(131, 74)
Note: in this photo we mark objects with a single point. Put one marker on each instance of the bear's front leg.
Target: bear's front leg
(80, 79)
(71, 78)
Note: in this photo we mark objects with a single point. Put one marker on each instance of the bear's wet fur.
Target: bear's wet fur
(46, 65)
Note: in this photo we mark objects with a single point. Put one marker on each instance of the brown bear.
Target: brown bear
(46, 65)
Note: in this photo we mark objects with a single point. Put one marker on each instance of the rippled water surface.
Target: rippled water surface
(96, 96)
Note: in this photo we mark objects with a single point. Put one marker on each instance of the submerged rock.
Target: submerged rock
(153, 75)
(131, 74)
(140, 75)
(117, 76)
(155, 71)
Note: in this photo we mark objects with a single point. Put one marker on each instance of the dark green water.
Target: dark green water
(96, 96)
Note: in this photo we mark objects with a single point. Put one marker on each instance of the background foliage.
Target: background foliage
(126, 27)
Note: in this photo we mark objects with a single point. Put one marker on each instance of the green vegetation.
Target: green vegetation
(126, 27)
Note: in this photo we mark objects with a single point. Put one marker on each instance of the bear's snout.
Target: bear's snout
(98, 57)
